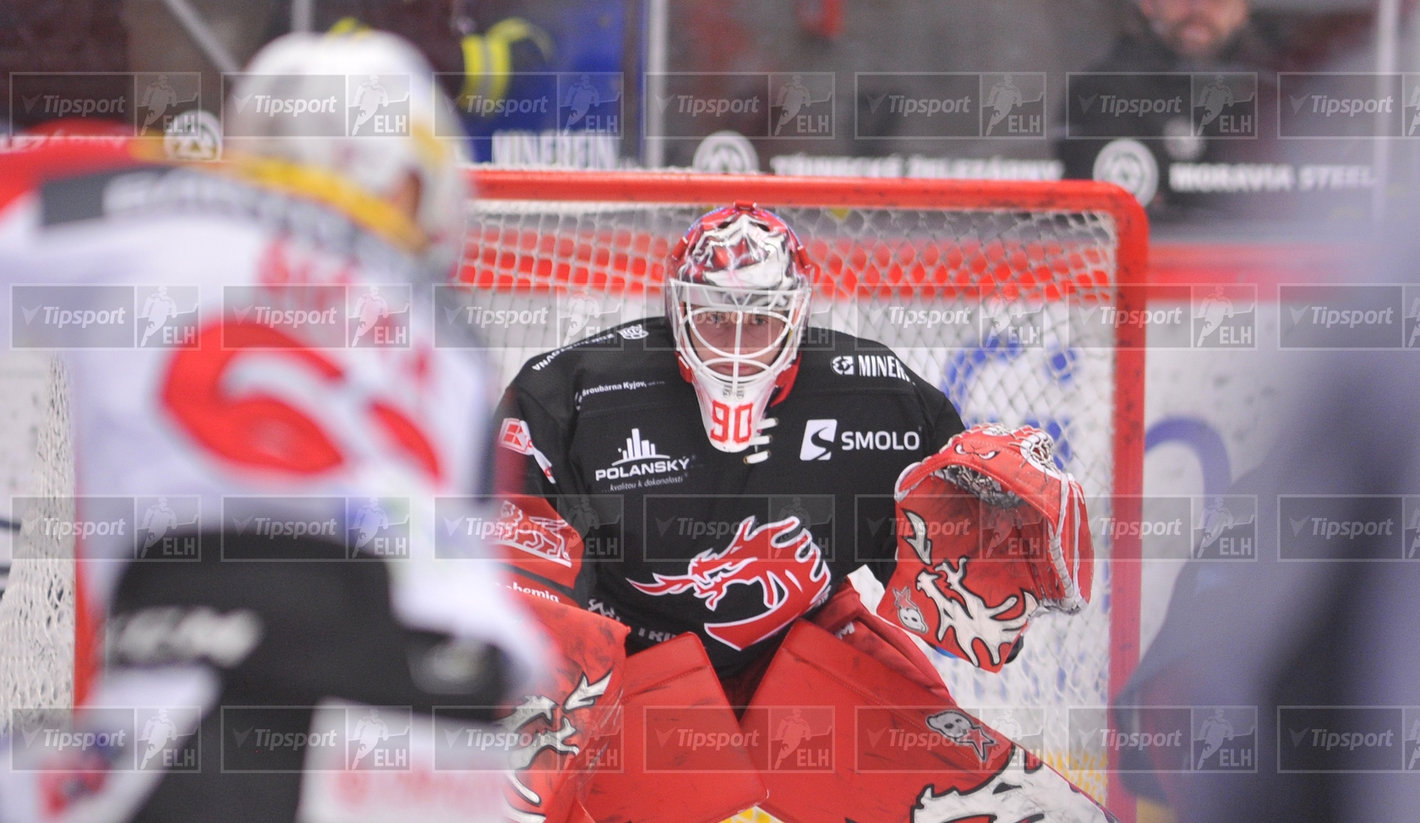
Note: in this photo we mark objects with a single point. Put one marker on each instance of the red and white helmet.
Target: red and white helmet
(738, 302)
(301, 71)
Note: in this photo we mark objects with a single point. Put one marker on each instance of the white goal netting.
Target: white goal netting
(37, 607)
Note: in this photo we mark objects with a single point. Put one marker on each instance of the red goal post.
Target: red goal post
(585, 250)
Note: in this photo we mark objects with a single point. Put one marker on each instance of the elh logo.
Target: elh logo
(801, 104)
(163, 97)
(167, 316)
(1014, 105)
(377, 316)
(1224, 105)
(590, 102)
(168, 528)
(1224, 317)
(378, 105)
(370, 531)
(819, 436)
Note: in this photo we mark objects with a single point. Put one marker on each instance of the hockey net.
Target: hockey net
(974, 284)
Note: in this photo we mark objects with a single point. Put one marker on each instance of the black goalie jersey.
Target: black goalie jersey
(677, 536)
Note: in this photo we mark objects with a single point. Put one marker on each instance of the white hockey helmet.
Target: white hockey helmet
(737, 300)
(282, 107)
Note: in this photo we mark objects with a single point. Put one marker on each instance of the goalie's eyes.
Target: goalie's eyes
(729, 318)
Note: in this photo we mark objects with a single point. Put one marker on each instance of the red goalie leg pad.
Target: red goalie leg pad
(845, 617)
(573, 723)
(845, 736)
(685, 758)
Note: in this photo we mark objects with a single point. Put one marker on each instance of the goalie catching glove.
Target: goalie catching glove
(989, 532)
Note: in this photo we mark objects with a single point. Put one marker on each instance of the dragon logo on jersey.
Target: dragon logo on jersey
(780, 557)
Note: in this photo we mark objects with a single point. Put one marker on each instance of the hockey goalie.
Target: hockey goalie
(755, 675)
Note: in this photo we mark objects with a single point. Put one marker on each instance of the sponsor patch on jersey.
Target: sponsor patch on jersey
(870, 365)
(514, 435)
(822, 438)
(625, 385)
(642, 462)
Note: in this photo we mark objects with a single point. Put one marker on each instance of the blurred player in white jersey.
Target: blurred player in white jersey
(267, 426)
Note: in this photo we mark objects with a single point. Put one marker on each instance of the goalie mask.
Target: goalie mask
(737, 301)
(989, 533)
